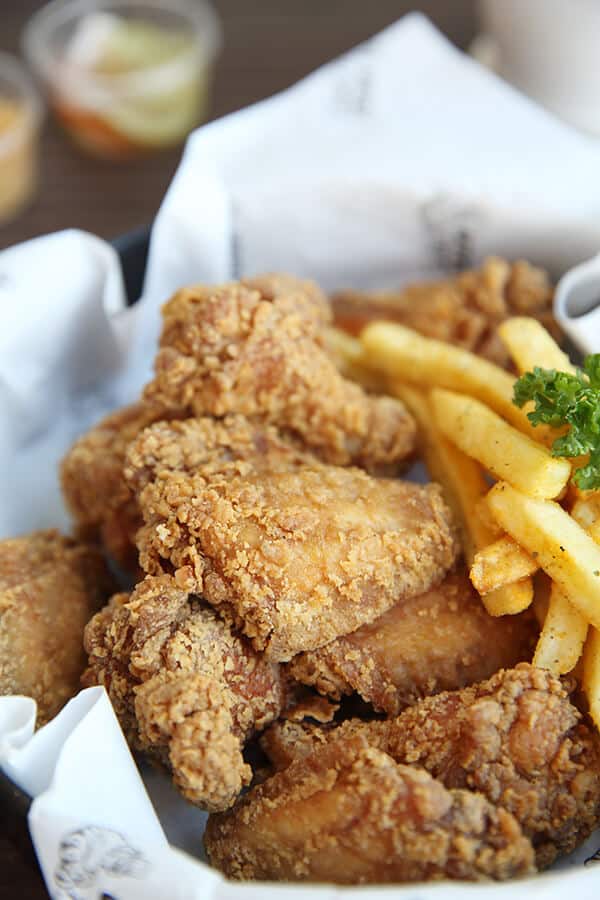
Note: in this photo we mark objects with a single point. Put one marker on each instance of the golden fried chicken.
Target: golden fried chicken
(440, 640)
(93, 485)
(186, 690)
(463, 309)
(49, 587)
(255, 347)
(290, 552)
(349, 814)
(516, 738)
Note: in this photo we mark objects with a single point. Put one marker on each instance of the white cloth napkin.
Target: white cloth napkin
(400, 159)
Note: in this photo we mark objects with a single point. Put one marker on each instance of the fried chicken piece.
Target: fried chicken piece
(515, 738)
(186, 690)
(255, 348)
(291, 553)
(49, 587)
(349, 814)
(463, 309)
(93, 485)
(440, 640)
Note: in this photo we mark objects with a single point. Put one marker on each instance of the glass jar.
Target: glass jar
(125, 77)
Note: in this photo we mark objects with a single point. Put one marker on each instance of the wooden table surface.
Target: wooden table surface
(268, 45)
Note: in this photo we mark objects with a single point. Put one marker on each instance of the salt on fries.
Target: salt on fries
(500, 448)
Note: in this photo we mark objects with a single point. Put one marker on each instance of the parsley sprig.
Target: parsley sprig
(561, 398)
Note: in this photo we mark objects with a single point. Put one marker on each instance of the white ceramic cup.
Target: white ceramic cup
(550, 49)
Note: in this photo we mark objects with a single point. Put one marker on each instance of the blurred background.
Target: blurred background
(267, 45)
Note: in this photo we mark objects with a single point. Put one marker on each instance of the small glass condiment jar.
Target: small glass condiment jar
(20, 120)
(125, 77)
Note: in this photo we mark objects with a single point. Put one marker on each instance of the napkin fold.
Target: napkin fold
(401, 159)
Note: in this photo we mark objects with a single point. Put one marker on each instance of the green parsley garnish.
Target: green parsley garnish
(574, 400)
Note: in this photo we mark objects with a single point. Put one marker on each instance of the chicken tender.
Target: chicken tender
(255, 348)
(49, 587)
(516, 738)
(464, 309)
(440, 640)
(296, 557)
(186, 690)
(349, 814)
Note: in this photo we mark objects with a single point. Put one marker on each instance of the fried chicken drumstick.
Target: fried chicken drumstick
(185, 689)
(50, 585)
(516, 738)
(440, 640)
(349, 814)
(290, 552)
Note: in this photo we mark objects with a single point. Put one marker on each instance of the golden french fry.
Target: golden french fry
(564, 550)
(501, 449)
(407, 355)
(591, 674)
(586, 509)
(563, 635)
(509, 599)
(464, 487)
(461, 478)
(531, 345)
(502, 562)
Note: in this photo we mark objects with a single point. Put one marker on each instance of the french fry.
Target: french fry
(564, 550)
(464, 487)
(461, 478)
(405, 354)
(509, 599)
(505, 452)
(349, 355)
(563, 635)
(531, 345)
(502, 562)
(591, 674)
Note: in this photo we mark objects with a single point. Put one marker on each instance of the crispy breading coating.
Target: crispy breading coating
(515, 738)
(295, 554)
(185, 688)
(250, 348)
(464, 309)
(440, 640)
(349, 814)
(50, 585)
(93, 485)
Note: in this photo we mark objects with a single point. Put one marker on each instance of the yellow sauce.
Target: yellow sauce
(18, 174)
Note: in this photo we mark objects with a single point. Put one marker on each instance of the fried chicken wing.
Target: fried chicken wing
(440, 640)
(294, 554)
(349, 814)
(515, 738)
(49, 587)
(255, 347)
(185, 689)
(464, 309)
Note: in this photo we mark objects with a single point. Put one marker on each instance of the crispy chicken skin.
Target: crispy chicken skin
(49, 587)
(185, 688)
(440, 640)
(516, 738)
(293, 554)
(464, 309)
(254, 347)
(349, 814)
(93, 485)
